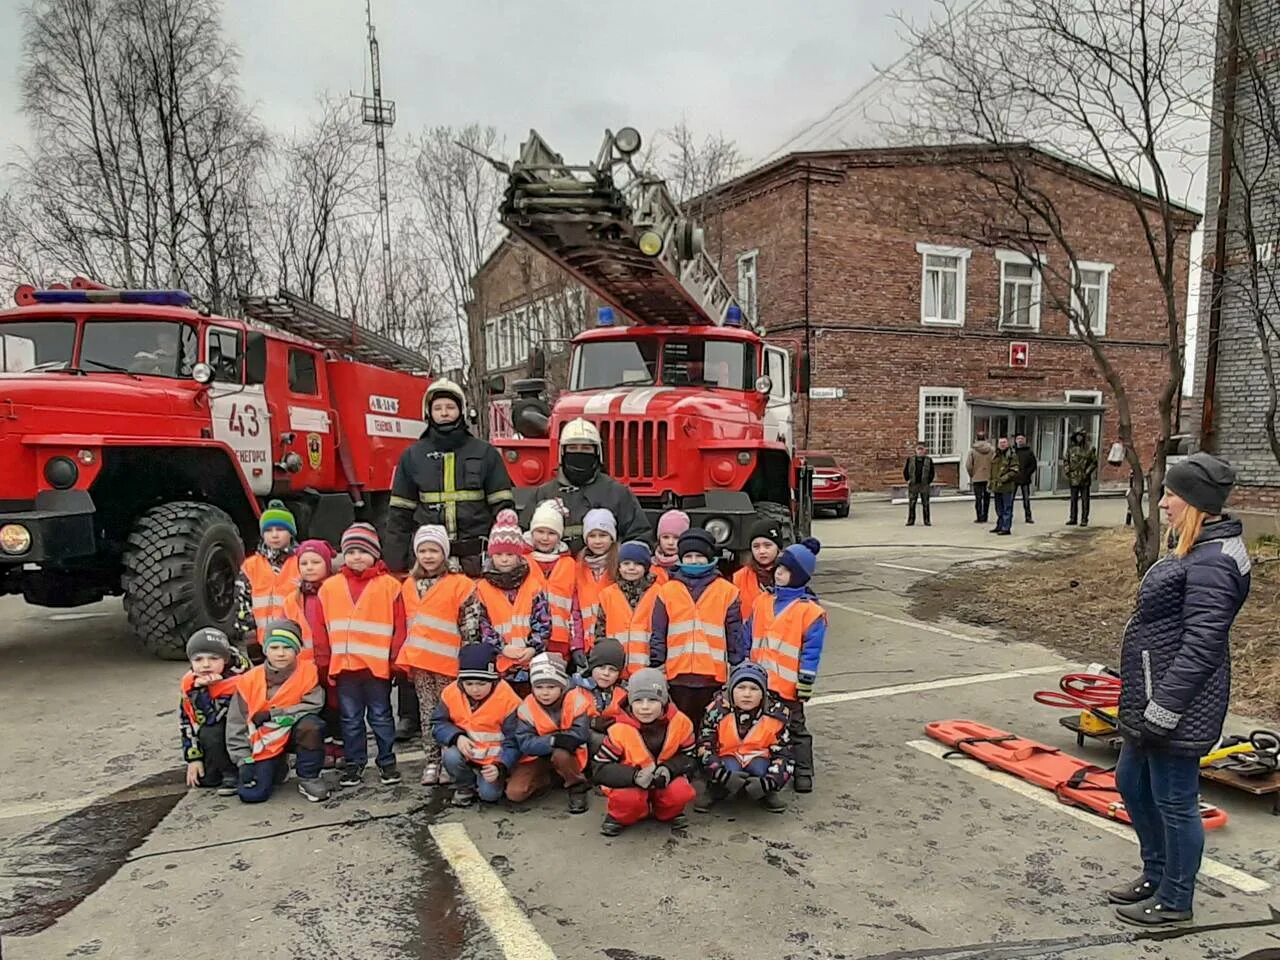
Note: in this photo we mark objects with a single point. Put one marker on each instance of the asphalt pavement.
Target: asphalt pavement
(899, 853)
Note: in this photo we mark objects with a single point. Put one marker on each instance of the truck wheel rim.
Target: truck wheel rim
(220, 581)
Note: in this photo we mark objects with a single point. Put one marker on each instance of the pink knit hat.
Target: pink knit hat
(318, 547)
(674, 522)
(505, 537)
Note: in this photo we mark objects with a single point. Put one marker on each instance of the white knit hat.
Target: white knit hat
(600, 519)
(432, 533)
(548, 515)
(548, 668)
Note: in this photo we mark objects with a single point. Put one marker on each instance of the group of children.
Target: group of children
(639, 672)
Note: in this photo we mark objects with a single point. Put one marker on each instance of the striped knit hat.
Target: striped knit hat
(277, 515)
(285, 632)
(505, 537)
(362, 536)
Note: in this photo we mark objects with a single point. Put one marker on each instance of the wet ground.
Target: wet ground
(898, 854)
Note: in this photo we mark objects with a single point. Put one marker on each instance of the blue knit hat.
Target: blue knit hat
(801, 559)
(475, 662)
(748, 671)
(277, 516)
(637, 551)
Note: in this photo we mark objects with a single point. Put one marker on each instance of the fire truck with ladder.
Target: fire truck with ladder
(140, 439)
(695, 409)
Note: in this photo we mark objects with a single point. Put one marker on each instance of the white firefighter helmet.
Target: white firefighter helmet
(443, 388)
(580, 431)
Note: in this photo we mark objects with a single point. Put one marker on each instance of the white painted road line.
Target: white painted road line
(913, 624)
(874, 693)
(515, 935)
(1244, 882)
(901, 566)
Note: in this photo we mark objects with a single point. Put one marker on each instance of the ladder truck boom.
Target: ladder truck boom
(616, 230)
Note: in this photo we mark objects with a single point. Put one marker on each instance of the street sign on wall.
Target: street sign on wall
(826, 393)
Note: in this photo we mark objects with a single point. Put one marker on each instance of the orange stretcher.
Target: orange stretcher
(1074, 781)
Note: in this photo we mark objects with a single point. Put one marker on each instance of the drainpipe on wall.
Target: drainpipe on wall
(1208, 428)
(808, 332)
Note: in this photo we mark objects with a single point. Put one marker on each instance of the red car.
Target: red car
(830, 483)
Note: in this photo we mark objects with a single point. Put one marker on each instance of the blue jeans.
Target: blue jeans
(1161, 792)
(759, 767)
(1004, 511)
(361, 694)
(306, 739)
(466, 775)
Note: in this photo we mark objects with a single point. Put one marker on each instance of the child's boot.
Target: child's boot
(611, 827)
(773, 802)
(229, 786)
(464, 796)
(804, 783)
(390, 775)
(578, 799)
(314, 790)
(352, 776)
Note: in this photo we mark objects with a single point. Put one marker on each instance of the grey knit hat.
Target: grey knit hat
(648, 684)
(209, 640)
(1203, 480)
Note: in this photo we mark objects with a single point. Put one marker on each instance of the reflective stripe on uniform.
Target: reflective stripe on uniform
(435, 623)
(431, 646)
(500, 496)
(271, 735)
(707, 629)
(403, 503)
(365, 626)
(354, 648)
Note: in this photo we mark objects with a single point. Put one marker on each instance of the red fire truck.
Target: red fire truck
(695, 409)
(139, 439)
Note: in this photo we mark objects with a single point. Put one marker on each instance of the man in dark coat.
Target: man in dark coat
(1080, 464)
(581, 485)
(918, 472)
(1027, 467)
(1004, 482)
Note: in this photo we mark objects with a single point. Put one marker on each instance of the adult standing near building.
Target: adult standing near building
(1080, 464)
(918, 472)
(1004, 483)
(581, 485)
(1027, 467)
(448, 478)
(977, 464)
(1175, 684)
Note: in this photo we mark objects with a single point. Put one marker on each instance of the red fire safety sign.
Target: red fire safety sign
(1018, 354)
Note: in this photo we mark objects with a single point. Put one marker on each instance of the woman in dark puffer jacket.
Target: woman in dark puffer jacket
(1175, 684)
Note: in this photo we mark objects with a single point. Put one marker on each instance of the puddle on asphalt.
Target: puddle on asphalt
(50, 871)
(445, 929)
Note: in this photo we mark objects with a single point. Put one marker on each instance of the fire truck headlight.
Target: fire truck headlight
(627, 140)
(62, 473)
(744, 457)
(720, 529)
(202, 374)
(531, 469)
(14, 539)
(722, 471)
(764, 384)
(650, 243)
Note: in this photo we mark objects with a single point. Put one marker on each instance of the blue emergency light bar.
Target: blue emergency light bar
(733, 316)
(604, 317)
(154, 298)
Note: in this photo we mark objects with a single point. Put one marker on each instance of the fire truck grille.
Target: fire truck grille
(635, 451)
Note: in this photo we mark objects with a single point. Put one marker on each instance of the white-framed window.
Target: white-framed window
(940, 410)
(942, 284)
(491, 343)
(1092, 397)
(1020, 291)
(1094, 279)
(747, 288)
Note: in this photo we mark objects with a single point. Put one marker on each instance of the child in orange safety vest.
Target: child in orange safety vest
(516, 620)
(441, 614)
(743, 746)
(788, 630)
(207, 689)
(549, 734)
(267, 576)
(550, 558)
(302, 606)
(365, 619)
(473, 723)
(626, 606)
(603, 688)
(276, 711)
(597, 568)
(672, 525)
(756, 575)
(697, 627)
(646, 758)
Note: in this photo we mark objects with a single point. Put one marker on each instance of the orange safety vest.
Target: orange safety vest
(588, 590)
(269, 588)
(613, 710)
(483, 724)
(511, 620)
(576, 702)
(559, 584)
(776, 642)
(270, 739)
(660, 575)
(763, 734)
(219, 688)
(360, 633)
(749, 589)
(696, 643)
(636, 754)
(293, 611)
(631, 628)
(433, 638)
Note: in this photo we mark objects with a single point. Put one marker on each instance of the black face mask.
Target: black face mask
(580, 468)
(446, 427)
(448, 436)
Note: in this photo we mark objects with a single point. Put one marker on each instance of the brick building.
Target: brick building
(869, 257)
(1250, 233)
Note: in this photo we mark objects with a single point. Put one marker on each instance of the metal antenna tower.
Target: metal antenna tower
(380, 114)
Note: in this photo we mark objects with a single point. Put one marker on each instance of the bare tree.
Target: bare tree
(693, 166)
(1111, 84)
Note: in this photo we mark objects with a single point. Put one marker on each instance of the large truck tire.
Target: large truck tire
(780, 514)
(180, 567)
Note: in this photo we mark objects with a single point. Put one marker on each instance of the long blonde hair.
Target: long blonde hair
(1187, 529)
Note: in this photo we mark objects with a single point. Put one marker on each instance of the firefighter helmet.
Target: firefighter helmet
(446, 388)
(580, 431)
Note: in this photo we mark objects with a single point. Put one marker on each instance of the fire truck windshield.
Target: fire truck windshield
(685, 361)
(43, 344)
(159, 348)
(614, 363)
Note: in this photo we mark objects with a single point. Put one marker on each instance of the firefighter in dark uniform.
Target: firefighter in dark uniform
(452, 478)
(581, 485)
